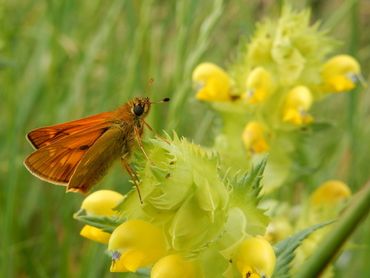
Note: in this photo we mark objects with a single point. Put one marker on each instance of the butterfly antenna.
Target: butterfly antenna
(149, 86)
(166, 99)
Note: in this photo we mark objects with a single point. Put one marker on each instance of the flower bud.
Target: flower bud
(134, 244)
(259, 85)
(254, 137)
(255, 256)
(100, 203)
(340, 74)
(173, 266)
(297, 103)
(212, 83)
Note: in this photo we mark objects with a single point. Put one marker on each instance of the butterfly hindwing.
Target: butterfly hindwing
(97, 160)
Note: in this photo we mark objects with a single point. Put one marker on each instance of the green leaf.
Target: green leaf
(320, 126)
(105, 223)
(284, 249)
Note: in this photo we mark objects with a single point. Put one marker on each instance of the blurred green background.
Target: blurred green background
(62, 60)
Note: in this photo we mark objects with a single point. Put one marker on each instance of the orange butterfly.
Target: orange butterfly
(77, 154)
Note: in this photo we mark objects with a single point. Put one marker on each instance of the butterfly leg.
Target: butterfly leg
(155, 133)
(140, 143)
(133, 175)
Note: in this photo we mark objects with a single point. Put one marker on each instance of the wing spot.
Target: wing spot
(84, 147)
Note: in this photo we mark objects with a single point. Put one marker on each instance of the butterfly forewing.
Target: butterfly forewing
(45, 136)
(57, 162)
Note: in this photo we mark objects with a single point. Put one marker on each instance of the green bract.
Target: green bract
(185, 189)
(290, 48)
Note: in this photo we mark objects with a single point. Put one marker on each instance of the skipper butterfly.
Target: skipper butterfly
(77, 154)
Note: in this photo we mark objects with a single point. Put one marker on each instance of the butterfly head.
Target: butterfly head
(140, 107)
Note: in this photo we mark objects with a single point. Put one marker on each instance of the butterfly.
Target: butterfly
(78, 154)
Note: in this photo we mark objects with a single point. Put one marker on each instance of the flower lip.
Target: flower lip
(95, 234)
(254, 137)
(259, 85)
(116, 255)
(340, 74)
(297, 103)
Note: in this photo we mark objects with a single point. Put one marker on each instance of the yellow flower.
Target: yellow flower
(340, 74)
(134, 244)
(259, 85)
(330, 192)
(100, 203)
(174, 266)
(254, 137)
(297, 103)
(255, 256)
(212, 83)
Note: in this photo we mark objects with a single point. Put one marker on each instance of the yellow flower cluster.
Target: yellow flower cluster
(137, 243)
(283, 73)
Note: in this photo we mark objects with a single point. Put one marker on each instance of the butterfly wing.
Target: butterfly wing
(56, 162)
(97, 160)
(45, 136)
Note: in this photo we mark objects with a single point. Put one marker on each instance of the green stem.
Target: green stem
(353, 101)
(357, 210)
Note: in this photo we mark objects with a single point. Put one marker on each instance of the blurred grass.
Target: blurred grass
(61, 60)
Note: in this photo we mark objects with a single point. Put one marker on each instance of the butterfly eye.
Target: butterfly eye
(138, 110)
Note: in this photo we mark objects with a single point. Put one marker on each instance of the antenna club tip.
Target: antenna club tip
(166, 99)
